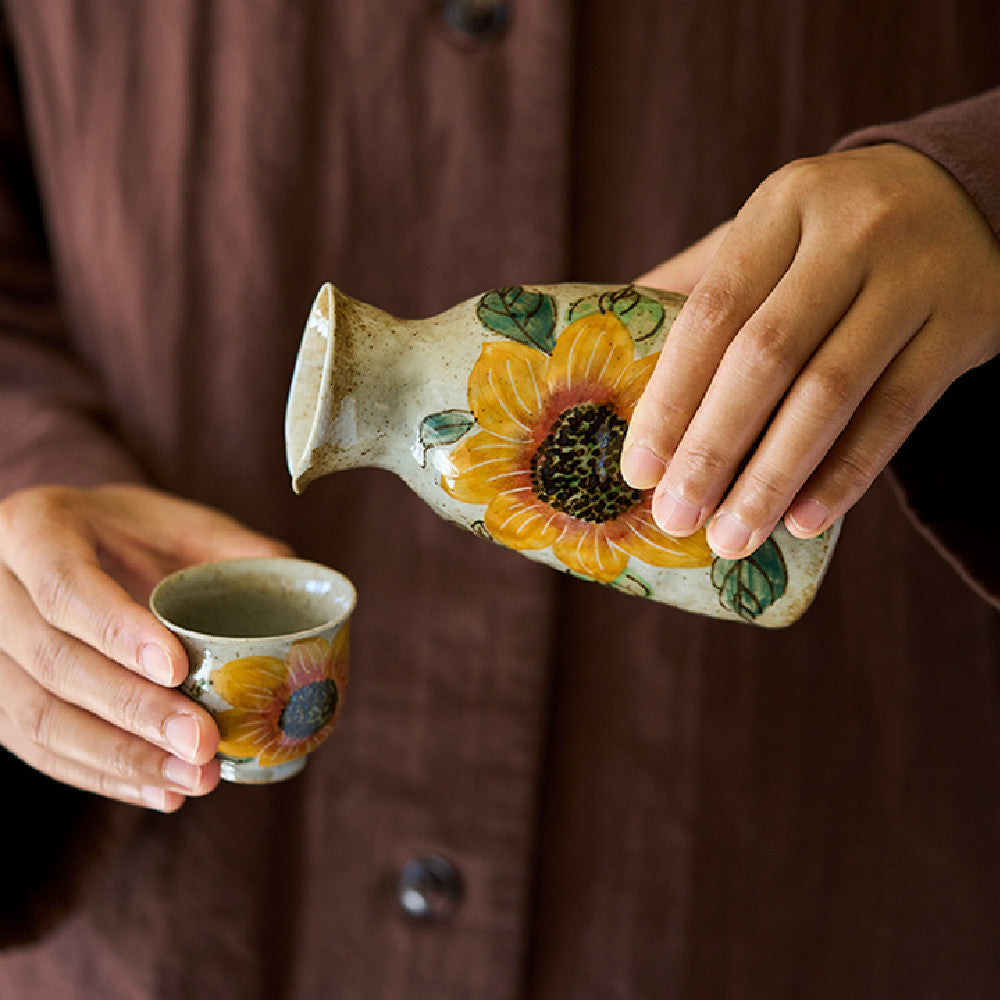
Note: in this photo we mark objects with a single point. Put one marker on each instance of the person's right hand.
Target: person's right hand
(86, 670)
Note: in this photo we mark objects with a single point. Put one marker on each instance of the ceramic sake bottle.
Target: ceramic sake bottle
(506, 414)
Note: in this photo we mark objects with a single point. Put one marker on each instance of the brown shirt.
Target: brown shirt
(639, 803)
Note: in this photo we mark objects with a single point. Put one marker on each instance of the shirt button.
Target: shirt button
(429, 888)
(476, 20)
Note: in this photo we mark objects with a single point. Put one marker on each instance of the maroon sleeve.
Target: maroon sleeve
(946, 470)
(53, 427)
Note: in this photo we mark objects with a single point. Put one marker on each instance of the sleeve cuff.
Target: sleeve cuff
(945, 472)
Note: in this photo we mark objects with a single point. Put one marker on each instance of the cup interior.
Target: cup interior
(253, 598)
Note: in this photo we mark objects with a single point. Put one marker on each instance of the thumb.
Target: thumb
(148, 534)
(684, 270)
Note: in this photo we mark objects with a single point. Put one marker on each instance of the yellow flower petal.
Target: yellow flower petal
(340, 661)
(308, 656)
(644, 540)
(484, 465)
(519, 520)
(507, 389)
(630, 384)
(243, 733)
(249, 682)
(281, 753)
(585, 550)
(592, 351)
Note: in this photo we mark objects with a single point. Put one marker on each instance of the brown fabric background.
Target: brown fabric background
(641, 803)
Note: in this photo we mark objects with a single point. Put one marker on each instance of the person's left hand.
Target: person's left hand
(822, 324)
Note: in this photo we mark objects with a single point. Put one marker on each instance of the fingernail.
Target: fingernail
(155, 798)
(808, 517)
(727, 535)
(640, 468)
(155, 664)
(181, 732)
(180, 772)
(161, 799)
(675, 515)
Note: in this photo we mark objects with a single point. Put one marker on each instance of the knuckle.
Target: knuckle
(661, 411)
(870, 208)
(35, 719)
(787, 191)
(827, 388)
(703, 463)
(765, 490)
(53, 591)
(131, 707)
(715, 306)
(789, 182)
(856, 472)
(51, 660)
(114, 637)
(902, 406)
(12, 509)
(764, 348)
(878, 211)
(23, 511)
(870, 220)
(111, 786)
(126, 759)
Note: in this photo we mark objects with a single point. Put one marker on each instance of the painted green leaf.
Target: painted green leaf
(631, 583)
(194, 687)
(643, 316)
(479, 529)
(524, 315)
(445, 427)
(750, 586)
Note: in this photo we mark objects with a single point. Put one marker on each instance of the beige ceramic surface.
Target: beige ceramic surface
(500, 411)
(267, 642)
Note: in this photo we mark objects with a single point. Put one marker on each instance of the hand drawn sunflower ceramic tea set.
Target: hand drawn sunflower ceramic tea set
(506, 414)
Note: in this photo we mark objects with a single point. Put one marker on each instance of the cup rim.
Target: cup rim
(262, 562)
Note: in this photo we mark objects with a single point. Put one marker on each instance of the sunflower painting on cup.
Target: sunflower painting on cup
(282, 709)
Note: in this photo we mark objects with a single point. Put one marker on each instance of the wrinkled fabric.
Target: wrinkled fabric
(641, 803)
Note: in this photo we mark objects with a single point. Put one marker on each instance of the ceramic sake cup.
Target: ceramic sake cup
(267, 644)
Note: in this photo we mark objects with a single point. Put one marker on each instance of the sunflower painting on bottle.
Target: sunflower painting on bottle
(544, 459)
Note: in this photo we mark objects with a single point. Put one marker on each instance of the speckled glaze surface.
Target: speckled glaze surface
(267, 642)
(507, 415)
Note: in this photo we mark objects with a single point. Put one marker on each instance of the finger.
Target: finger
(724, 299)
(135, 520)
(684, 270)
(765, 357)
(42, 727)
(897, 402)
(145, 534)
(75, 673)
(762, 359)
(51, 551)
(80, 776)
(55, 540)
(814, 412)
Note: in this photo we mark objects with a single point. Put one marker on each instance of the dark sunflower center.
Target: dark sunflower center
(576, 468)
(308, 710)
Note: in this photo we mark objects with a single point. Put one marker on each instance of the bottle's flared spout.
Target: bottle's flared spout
(307, 416)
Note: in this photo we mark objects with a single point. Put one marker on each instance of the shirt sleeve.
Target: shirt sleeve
(55, 428)
(946, 469)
